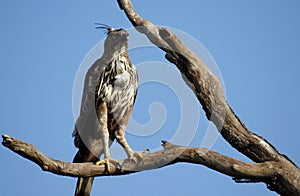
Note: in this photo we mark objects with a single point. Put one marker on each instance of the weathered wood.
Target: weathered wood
(209, 92)
(171, 154)
(274, 169)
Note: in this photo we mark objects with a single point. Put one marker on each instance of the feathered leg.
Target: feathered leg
(120, 136)
(102, 117)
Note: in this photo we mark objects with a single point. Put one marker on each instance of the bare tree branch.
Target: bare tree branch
(206, 87)
(209, 92)
(171, 154)
(272, 168)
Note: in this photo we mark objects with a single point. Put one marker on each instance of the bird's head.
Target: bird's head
(116, 40)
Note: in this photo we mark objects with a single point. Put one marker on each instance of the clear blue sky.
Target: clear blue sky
(255, 44)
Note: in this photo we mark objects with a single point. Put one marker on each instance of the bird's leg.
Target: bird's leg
(105, 139)
(107, 159)
(120, 136)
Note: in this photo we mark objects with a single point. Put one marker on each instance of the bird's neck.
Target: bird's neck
(110, 55)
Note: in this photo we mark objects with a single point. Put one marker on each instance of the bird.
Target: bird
(109, 93)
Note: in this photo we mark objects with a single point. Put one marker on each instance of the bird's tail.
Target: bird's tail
(84, 186)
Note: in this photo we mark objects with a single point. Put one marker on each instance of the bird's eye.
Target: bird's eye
(114, 37)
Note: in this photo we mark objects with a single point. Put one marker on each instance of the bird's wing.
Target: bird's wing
(92, 83)
(87, 115)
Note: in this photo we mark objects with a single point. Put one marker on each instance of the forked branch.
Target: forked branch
(210, 94)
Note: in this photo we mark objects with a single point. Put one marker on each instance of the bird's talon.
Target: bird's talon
(138, 155)
(105, 162)
(145, 151)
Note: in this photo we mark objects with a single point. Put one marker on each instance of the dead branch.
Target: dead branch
(272, 168)
(209, 92)
(171, 154)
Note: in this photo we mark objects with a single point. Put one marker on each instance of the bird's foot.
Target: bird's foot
(138, 155)
(107, 162)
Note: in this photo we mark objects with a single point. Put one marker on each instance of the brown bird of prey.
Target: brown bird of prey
(109, 93)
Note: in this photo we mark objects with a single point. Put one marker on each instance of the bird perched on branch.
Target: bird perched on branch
(109, 93)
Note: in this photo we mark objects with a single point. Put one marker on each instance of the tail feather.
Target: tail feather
(84, 186)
